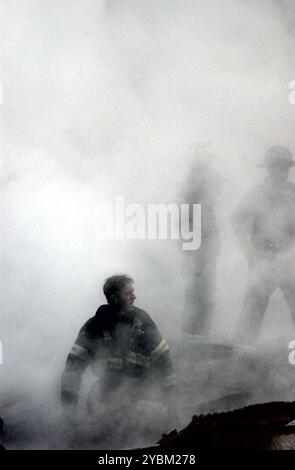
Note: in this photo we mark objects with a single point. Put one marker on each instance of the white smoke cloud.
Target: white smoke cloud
(105, 98)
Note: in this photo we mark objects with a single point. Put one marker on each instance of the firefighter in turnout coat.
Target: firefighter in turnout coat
(124, 349)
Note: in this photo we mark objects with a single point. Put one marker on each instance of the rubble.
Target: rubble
(1, 433)
(259, 426)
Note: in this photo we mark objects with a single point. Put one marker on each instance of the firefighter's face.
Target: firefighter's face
(279, 172)
(126, 297)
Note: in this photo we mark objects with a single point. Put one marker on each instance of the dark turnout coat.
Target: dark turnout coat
(118, 347)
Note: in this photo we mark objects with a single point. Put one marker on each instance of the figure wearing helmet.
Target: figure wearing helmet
(264, 223)
(203, 186)
(131, 360)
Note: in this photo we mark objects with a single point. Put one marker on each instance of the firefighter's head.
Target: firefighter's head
(278, 160)
(119, 291)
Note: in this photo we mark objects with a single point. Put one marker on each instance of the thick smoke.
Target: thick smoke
(106, 98)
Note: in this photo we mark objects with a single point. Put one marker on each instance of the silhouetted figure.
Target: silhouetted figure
(202, 187)
(264, 223)
(127, 353)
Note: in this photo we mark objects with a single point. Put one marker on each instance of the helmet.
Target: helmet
(277, 155)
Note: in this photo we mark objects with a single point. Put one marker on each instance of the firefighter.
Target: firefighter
(264, 223)
(203, 186)
(125, 350)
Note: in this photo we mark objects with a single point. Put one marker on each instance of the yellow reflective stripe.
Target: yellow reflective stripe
(138, 359)
(160, 349)
(80, 352)
(169, 381)
(115, 363)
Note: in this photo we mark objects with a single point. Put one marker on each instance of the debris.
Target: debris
(253, 427)
(1, 433)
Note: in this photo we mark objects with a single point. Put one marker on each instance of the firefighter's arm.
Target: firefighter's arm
(162, 364)
(160, 359)
(76, 363)
(162, 367)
